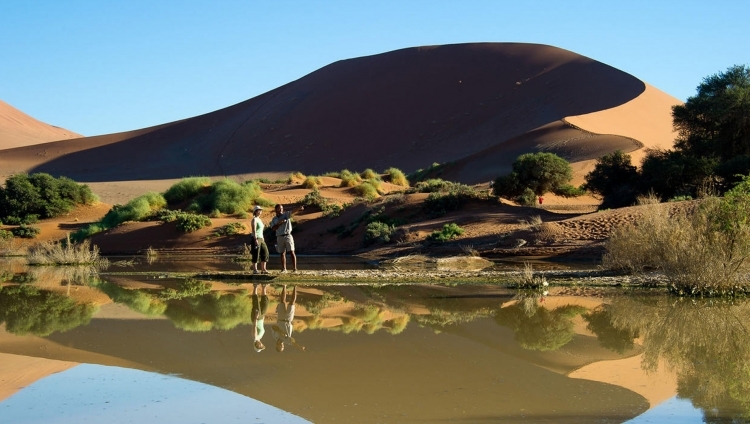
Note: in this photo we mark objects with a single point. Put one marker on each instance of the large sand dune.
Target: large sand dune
(476, 105)
(18, 129)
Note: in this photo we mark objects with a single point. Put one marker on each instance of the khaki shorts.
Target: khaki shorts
(285, 243)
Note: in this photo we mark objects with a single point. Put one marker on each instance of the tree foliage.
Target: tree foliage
(40, 195)
(716, 121)
(539, 172)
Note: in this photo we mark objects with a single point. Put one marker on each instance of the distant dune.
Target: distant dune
(18, 129)
(476, 106)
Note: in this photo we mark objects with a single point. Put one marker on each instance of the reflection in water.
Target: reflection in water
(707, 343)
(538, 328)
(28, 309)
(391, 350)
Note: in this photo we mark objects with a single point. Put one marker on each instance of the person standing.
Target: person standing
(259, 249)
(282, 225)
(258, 315)
(282, 331)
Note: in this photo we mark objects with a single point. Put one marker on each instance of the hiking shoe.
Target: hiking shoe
(255, 271)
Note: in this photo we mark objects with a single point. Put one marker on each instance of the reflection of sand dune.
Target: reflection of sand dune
(17, 372)
(656, 386)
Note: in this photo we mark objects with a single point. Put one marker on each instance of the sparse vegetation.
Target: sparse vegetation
(312, 182)
(701, 253)
(65, 253)
(369, 174)
(314, 198)
(231, 229)
(189, 222)
(447, 233)
(368, 189)
(26, 231)
(186, 189)
(349, 178)
(396, 176)
(378, 232)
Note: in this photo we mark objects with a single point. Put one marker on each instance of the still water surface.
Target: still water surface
(411, 353)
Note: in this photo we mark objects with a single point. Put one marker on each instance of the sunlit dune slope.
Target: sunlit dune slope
(407, 108)
(19, 129)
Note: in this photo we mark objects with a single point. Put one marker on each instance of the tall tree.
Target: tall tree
(716, 121)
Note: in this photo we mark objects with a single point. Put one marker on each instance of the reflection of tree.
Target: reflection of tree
(537, 328)
(210, 311)
(706, 342)
(141, 301)
(29, 310)
(612, 338)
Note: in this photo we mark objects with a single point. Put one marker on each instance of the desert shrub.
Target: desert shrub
(314, 198)
(138, 209)
(368, 189)
(5, 235)
(312, 182)
(189, 222)
(333, 174)
(231, 229)
(42, 195)
(421, 174)
(65, 253)
(396, 176)
(701, 253)
(378, 232)
(26, 231)
(539, 172)
(186, 189)
(369, 174)
(447, 233)
(526, 198)
(229, 197)
(680, 198)
(569, 190)
(137, 300)
(349, 178)
(295, 176)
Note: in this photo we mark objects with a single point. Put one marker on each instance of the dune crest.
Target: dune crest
(18, 129)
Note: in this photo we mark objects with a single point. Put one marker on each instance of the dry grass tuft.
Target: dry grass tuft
(65, 253)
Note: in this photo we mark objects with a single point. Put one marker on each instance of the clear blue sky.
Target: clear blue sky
(104, 66)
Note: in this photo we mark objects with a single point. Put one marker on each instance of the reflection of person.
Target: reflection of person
(282, 225)
(258, 314)
(260, 249)
(282, 331)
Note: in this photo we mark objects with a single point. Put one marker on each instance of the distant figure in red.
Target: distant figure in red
(541, 199)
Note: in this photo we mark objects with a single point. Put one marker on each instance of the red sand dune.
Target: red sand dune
(478, 105)
(19, 129)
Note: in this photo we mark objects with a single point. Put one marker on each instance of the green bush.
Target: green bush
(230, 197)
(447, 233)
(42, 195)
(5, 235)
(138, 209)
(378, 232)
(189, 222)
(25, 231)
(186, 189)
(396, 176)
(349, 178)
(314, 198)
(368, 189)
(540, 172)
(569, 190)
(369, 174)
(421, 174)
(231, 229)
(312, 182)
(526, 198)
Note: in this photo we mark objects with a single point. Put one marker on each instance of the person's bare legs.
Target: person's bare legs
(283, 294)
(294, 260)
(294, 294)
(283, 261)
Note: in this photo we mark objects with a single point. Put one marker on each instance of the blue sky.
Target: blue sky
(104, 66)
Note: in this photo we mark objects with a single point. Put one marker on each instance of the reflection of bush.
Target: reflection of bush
(29, 310)
(706, 342)
(539, 328)
(140, 301)
(610, 337)
(210, 311)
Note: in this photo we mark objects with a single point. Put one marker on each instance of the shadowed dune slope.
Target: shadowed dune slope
(407, 108)
(19, 129)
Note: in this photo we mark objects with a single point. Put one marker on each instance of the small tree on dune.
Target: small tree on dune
(539, 172)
